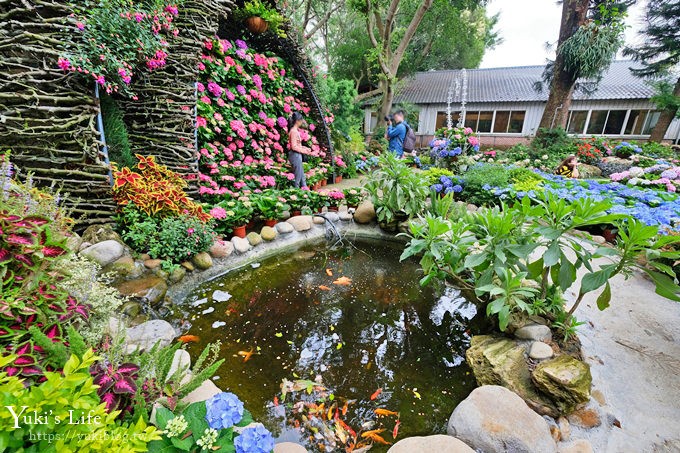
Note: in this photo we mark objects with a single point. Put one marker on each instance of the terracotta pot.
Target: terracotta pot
(240, 232)
(333, 208)
(317, 186)
(256, 25)
(250, 224)
(270, 222)
(338, 179)
(296, 213)
(324, 182)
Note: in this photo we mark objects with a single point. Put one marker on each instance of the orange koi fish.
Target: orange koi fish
(189, 339)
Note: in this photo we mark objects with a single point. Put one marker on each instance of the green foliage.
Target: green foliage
(66, 398)
(658, 150)
(175, 239)
(256, 8)
(431, 175)
(524, 180)
(338, 96)
(488, 254)
(395, 189)
(58, 352)
(481, 175)
(268, 204)
(664, 97)
(116, 134)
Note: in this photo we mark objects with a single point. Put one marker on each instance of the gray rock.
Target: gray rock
(565, 428)
(284, 228)
(207, 390)
(254, 238)
(301, 222)
(221, 249)
(365, 213)
(540, 351)
(123, 267)
(289, 447)
(151, 289)
(181, 362)
(430, 444)
(494, 419)
(535, 332)
(577, 446)
(599, 239)
(241, 245)
(105, 252)
(145, 335)
(333, 216)
(202, 260)
(73, 242)
(177, 275)
(472, 208)
(346, 216)
(268, 233)
(318, 220)
(100, 233)
(404, 227)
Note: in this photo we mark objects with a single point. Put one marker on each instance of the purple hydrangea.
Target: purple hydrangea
(215, 89)
(282, 122)
(669, 174)
(223, 410)
(437, 187)
(241, 44)
(446, 181)
(241, 89)
(254, 440)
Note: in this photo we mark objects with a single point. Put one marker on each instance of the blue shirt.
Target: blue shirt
(396, 135)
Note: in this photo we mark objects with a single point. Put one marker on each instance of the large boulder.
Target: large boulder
(241, 245)
(100, 233)
(221, 249)
(494, 419)
(145, 335)
(205, 391)
(254, 238)
(535, 332)
(430, 444)
(566, 380)
(588, 171)
(105, 252)
(301, 222)
(125, 268)
(151, 289)
(502, 361)
(365, 213)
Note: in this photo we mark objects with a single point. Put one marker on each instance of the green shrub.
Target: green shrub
(432, 175)
(116, 134)
(524, 180)
(480, 176)
(658, 151)
(66, 398)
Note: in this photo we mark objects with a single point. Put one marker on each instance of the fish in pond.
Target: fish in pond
(324, 288)
(343, 281)
(395, 431)
(246, 354)
(189, 339)
(376, 394)
(385, 412)
(329, 272)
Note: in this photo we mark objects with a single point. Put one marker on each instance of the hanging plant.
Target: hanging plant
(259, 18)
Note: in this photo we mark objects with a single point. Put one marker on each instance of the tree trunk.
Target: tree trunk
(387, 100)
(556, 110)
(665, 120)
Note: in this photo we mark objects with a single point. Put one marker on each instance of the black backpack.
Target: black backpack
(409, 139)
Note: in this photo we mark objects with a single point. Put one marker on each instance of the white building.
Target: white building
(503, 105)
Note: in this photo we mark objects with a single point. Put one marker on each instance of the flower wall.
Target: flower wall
(244, 100)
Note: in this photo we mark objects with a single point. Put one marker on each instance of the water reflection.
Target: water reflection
(381, 331)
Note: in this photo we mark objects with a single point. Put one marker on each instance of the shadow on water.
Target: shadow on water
(380, 331)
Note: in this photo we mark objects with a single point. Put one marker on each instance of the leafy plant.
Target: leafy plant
(395, 190)
(116, 134)
(479, 178)
(353, 196)
(154, 190)
(269, 204)
(63, 398)
(433, 175)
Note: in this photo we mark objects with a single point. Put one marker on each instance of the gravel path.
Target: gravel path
(633, 349)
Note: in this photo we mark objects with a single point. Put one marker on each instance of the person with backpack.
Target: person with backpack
(401, 136)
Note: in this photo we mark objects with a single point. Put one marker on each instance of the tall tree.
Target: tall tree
(389, 42)
(591, 32)
(660, 56)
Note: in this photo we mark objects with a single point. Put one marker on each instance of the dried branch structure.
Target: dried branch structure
(48, 119)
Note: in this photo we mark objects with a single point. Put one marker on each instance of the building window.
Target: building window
(441, 119)
(598, 118)
(479, 121)
(500, 126)
(577, 121)
(650, 122)
(516, 122)
(636, 120)
(615, 121)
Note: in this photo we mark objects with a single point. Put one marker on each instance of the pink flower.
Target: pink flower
(64, 64)
(200, 87)
(218, 213)
(139, 17)
(218, 116)
(172, 10)
(190, 231)
(201, 122)
(80, 25)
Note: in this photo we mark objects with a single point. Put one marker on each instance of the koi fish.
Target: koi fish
(189, 339)
(347, 427)
(376, 393)
(246, 354)
(375, 437)
(324, 288)
(396, 429)
(343, 281)
(385, 412)
(329, 272)
(372, 432)
(276, 401)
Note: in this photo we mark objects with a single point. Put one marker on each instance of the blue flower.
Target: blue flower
(486, 187)
(254, 440)
(457, 188)
(437, 187)
(443, 153)
(223, 410)
(476, 148)
(448, 190)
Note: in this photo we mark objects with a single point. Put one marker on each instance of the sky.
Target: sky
(526, 25)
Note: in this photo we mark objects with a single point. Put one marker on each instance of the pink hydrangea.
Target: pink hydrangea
(218, 213)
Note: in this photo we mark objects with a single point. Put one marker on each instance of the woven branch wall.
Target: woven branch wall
(48, 119)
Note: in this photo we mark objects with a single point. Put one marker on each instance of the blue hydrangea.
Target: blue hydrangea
(457, 188)
(437, 187)
(446, 181)
(486, 187)
(223, 410)
(254, 440)
(476, 148)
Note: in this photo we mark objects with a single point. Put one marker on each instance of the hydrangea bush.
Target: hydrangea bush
(244, 100)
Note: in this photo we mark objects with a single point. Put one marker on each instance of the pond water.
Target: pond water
(352, 317)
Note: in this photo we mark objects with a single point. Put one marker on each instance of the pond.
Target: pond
(352, 318)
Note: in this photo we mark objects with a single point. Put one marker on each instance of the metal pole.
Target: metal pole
(100, 125)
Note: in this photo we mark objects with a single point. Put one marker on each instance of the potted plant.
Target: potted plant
(259, 18)
(270, 206)
(335, 197)
(232, 215)
(353, 196)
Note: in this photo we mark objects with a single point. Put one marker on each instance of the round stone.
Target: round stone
(540, 351)
(284, 228)
(202, 260)
(536, 332)
(268, 233)
(254, 238)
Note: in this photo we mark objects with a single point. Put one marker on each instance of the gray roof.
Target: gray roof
(516, 85)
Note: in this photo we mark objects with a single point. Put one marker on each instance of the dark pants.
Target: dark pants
(296, 161)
